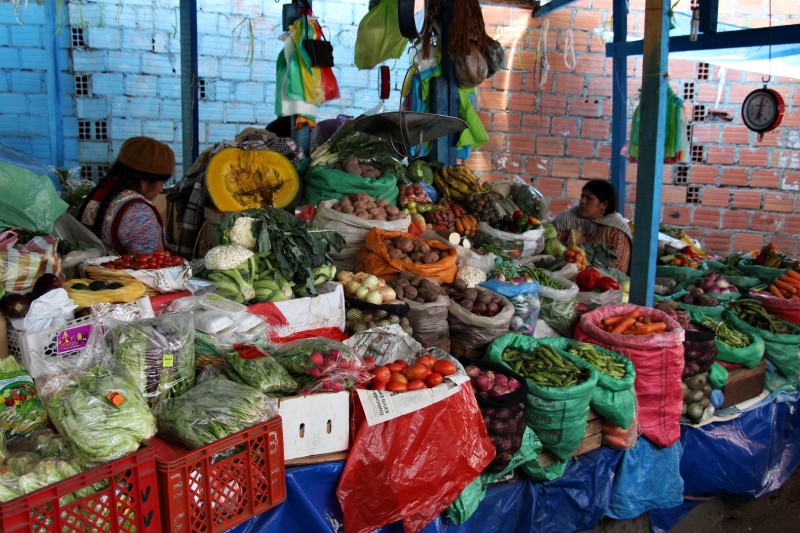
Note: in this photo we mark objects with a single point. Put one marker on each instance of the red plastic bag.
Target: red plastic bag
(413, 467)
(658, 360)
(785, 309)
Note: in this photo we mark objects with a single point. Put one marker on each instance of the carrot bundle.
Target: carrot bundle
(632, 324)
(787, 285)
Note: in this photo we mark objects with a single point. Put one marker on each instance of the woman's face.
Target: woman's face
(590, 205)
(150, 189)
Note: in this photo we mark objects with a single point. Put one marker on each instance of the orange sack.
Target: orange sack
(374, 258)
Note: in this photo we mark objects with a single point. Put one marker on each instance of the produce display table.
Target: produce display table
(747, 456)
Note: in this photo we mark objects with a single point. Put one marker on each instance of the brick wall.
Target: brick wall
(736, 193)
(548, 115)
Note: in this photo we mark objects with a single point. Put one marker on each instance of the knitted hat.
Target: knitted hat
(146, 154)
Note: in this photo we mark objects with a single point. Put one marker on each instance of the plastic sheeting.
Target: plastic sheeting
(749, 456)
(574, 502)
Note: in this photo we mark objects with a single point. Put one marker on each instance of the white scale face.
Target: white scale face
(762, 110)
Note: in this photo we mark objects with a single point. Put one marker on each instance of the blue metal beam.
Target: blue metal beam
(190, 123)
(653, 109)
(55, 107)
(619, 105)
(443, 97)
(714, 41)
(540, 10)
(709, 15)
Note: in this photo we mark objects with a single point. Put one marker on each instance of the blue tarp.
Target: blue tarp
(749, 456)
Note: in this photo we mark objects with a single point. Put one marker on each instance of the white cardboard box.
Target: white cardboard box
(315, 424)
(323, 311)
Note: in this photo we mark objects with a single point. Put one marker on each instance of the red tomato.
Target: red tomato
(417, 371)
(397, 376)
(396, 386)
(110, 266)
(433, 379)
(177, 261)
(139, 266)
(118, 261)
(417, 384)
(377, 385)
(426, 359)
(141, 258)
(394, 367)
(382, 374)
(369, 362)
(402, 364)
(444, 367)
(159, 253)
(167, 253)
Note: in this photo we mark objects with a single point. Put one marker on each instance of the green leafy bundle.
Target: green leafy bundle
(97, 428)
(288, 247)
(214, 409)
(259, 369)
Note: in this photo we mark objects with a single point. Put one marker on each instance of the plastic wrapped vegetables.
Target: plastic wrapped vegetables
(214, 409)
(102, 415)
(21, 410)
(159, 355)
(257, 368)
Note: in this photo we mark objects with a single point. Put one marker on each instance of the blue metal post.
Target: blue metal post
(189, 94)
(444, 96)
(653, 113)
(619, 104)
(55, 108)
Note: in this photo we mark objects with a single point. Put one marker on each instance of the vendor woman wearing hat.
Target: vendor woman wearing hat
(119, 208)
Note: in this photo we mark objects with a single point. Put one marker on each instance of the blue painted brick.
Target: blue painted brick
(162, 130)
(28, 82)
(5, 82)
(212, 45)
(236, 112)
(210, 111)
(158, 64)
(4, 37)
(171, 110)
(26, 35)
(221, 132)
(91, 108)
(207, 67)
(121, 16)
(35, 58)
(122, 128)
(105, 37)
(33, 125)
(215, 6)
(10, 59)
(124, 61)
(136, 39)
(94, 152)
(264, 71)
(249, 91)
(40, 149)
(234, 69)
(107, 84)
(207, 23)
(161, 42)
(136, 85)
(90, 61)
(38, 104)
(13, 102)
(144, 107)
(169, 87)
(335, 13)
(220, 90)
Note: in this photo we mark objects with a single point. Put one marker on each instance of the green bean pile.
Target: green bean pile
(603, 362)
(544, 366)
(752, 312)
(724, 334)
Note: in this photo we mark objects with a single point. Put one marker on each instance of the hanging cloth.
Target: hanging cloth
(675, 141)
(475, 135)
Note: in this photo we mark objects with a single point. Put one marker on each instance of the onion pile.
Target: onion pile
(488, 383)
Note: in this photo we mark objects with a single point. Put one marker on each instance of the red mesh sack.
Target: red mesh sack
(658, 360)
(413, 467)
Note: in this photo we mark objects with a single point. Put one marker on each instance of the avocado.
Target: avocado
(115, 285)
(80, 287)
(98, 285)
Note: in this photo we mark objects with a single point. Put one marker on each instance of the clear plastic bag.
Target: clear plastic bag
(322, 365)
(258, 368)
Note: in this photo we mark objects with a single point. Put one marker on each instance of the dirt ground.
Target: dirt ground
(777, 512)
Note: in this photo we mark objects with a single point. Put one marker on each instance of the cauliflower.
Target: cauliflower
(241, 233)
(471, 275)
(226, 257)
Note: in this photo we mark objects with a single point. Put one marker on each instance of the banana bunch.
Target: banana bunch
(323, 155)
(457, 182)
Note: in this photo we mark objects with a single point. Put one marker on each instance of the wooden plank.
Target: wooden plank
(744, 384)
(317, 459)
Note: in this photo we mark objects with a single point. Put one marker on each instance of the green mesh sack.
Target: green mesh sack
(764, 274)
(748, 355)
(322, 183)
(558, 415)
(688, 284)
(678, 273)
(783, 350)
(741, 281)
(717, 376)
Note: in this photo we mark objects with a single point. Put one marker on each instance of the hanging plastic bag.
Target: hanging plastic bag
(28, 200)
(525, 299)
(290, 95)
(21, 265)
(378, 37)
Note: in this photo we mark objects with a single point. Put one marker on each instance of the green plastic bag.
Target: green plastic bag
(28, 200)
(764, 274)
(748, 356)
(742, 282)
(558, 415)
(783, 350)
(717, 376)
(686, 285)
(378, 37)
(322, 183)
(467, 502)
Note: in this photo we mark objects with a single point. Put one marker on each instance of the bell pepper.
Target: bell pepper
(607, 283)
(587, 279)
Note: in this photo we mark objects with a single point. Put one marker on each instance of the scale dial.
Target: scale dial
(762, 110)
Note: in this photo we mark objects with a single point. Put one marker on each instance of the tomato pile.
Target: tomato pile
(157, 259)
(399, 376)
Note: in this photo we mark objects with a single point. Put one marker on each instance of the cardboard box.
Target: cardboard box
(744, 384)
(315, 424)
(323, 311)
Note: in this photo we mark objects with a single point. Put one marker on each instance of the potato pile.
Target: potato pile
(412, 193)
(365, 206)
(351, 165)
(484, 207)
(418, 288)
(477, 301)
(413, 250)
(441, 218)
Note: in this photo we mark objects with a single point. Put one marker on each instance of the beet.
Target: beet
(15, 305)
(44, 284)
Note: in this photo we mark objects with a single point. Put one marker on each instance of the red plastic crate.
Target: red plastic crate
(128, 503)
(222, 484)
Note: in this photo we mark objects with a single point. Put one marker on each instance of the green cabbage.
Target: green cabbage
(96, 429)
(214, 409)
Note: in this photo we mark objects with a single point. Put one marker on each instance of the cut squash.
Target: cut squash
(238, 179)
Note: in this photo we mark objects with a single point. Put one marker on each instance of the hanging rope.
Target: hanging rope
(769, 39)
(569, 50)
(541, 53)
